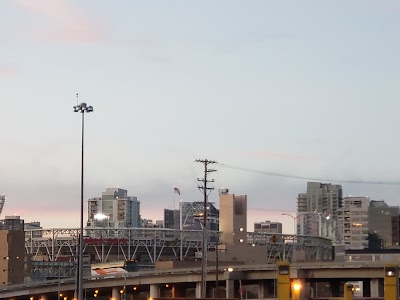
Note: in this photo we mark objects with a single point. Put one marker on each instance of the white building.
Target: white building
(324, 198)
(315, 224)
(353, 222)
(118, 209)
(318, 209)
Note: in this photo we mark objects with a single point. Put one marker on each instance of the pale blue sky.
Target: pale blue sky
(301, 87)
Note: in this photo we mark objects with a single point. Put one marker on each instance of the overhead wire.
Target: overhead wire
(275, 174)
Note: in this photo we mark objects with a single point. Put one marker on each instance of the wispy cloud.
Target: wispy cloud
(63, 22)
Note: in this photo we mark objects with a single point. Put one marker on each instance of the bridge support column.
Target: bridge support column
(335, 288)
(374, 287)
(115, 293)
(154, 291)
(307, 290)
(230, 288)
(198, 289)
(262, 289)
(178, 291)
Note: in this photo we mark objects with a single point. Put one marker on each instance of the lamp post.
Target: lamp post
(294, 222)
(124, 298)
(216, 271)
(58, 290)
(294, 231)
(180, 229)
(81, 108)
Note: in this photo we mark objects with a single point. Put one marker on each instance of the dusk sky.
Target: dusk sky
(304, 88)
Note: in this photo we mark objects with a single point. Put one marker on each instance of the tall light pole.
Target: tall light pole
(81, 108)
(294, 222)
(294, 231)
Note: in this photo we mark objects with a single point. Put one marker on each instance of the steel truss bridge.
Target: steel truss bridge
(54, 251)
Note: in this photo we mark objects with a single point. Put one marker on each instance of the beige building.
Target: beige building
(353, 222)
(233, 218)
(12, 251)
(268, 227)
(233, 227)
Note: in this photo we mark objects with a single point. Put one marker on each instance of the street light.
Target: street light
(296, 290)
(294, 230)
(294, 222)
(81, 108)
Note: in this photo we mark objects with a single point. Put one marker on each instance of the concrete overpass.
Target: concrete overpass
(321, 280)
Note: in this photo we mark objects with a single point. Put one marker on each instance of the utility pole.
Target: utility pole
(206, 190)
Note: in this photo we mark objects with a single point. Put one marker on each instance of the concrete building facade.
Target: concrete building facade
(353, 222)
(307, 223)
(12, 251)
(383, 221)
(119, 209)
(268, 227)
(323, 200)
(233, 218)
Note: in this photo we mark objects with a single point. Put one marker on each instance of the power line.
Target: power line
(269, 173)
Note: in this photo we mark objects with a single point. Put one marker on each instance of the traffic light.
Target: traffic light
(283, 280)
(391, 282)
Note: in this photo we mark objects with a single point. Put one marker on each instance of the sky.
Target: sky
(307, 89)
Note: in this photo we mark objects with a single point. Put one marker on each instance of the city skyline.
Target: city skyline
(309, 90)
(255, 215)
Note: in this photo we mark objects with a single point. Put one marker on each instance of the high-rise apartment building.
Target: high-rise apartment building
(119, 209)
(318, 208)
(309, 223)
(353, 222)
(322, 198)
(268, 227)
(383, 221)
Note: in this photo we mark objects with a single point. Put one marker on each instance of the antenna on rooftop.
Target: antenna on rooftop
(223, 191)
